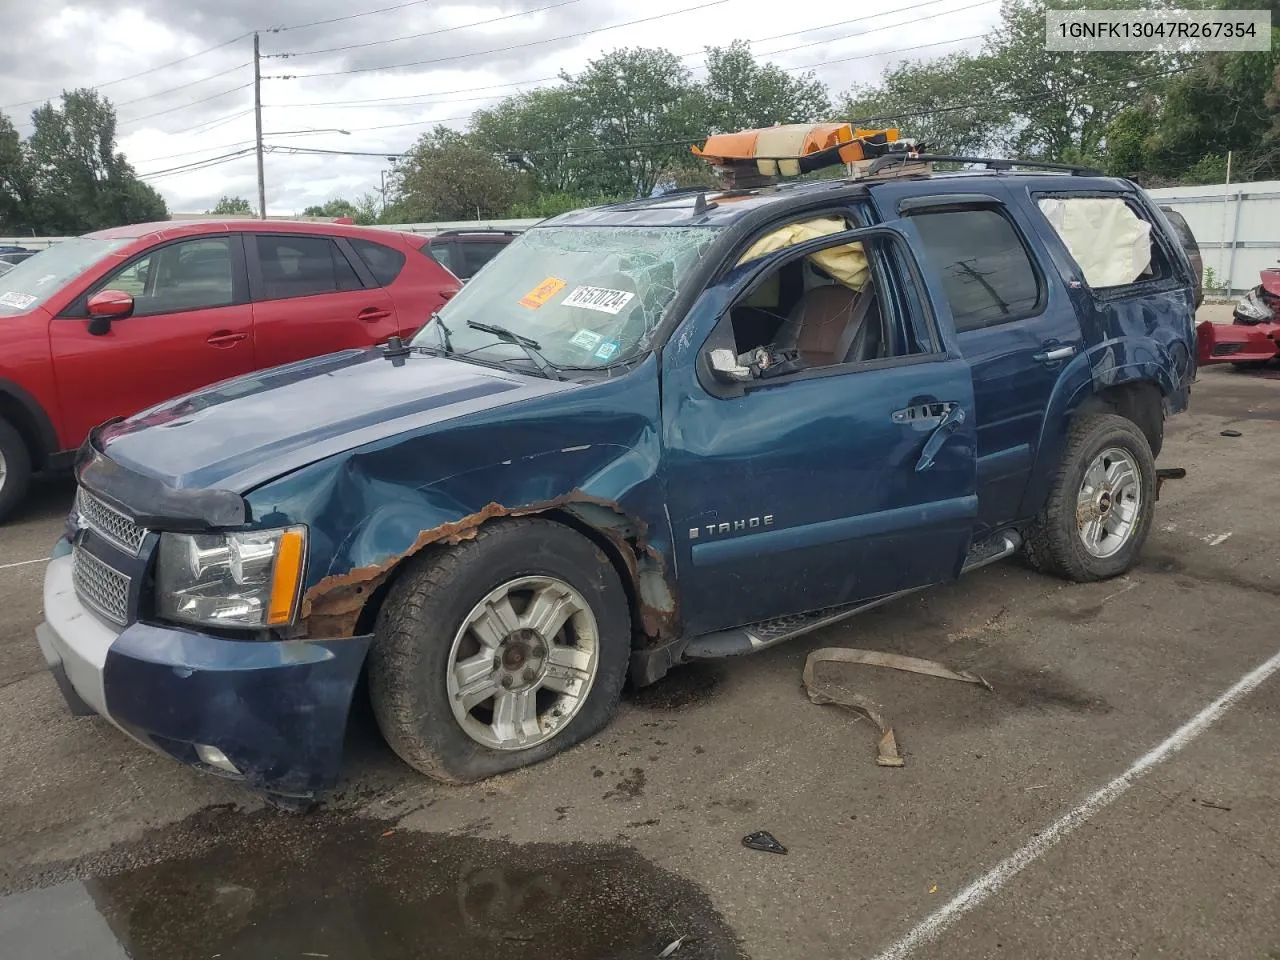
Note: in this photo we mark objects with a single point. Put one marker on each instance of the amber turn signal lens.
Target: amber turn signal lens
(286, 577)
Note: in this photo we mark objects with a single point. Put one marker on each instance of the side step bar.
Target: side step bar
(768, 633)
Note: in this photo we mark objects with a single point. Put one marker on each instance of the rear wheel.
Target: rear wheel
(500, 652)
(15, 469)
(1100, 508)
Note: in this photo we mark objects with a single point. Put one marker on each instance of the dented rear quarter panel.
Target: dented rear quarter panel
(591, 451)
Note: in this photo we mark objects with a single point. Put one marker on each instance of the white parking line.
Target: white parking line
(23, 563)
(989, 883)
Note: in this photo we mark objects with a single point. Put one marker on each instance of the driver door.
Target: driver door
(831, 483)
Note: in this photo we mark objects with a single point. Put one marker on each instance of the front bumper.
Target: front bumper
(276, 710)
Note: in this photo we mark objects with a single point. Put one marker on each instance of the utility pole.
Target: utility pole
(257, 121)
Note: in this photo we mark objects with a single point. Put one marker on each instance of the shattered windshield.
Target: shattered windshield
(586, 296)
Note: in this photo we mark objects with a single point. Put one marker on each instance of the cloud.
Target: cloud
(201, 108)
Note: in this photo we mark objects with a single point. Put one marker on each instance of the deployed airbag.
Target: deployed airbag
(847, 263)
(1111, 243)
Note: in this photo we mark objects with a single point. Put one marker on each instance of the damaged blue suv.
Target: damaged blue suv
(683, 427)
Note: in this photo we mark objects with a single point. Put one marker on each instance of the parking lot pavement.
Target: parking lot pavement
(1062, 814)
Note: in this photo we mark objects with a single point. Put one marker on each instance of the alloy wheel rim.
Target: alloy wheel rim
(523, 663)
(4, 470)
(1109, 502)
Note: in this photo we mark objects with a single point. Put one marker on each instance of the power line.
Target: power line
(183, 86)
(418, 36)
(184, 106)
(207, 125)
(197, 164)
(515, 46)
(349, 16)
(141, 73)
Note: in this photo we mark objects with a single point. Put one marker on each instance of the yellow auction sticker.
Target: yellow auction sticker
(543, 292)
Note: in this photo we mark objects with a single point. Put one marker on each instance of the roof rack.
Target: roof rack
(991, 163)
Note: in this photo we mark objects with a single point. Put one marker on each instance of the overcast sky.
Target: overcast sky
(202, 108)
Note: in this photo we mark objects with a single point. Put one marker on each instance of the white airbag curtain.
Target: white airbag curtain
(1111, 243)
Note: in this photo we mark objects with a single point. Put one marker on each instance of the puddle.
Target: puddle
(265, 885)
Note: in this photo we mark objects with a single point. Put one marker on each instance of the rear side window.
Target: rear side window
(986, 269)
(475, 254)
(1113, 245)
(385, 263)
(302, 266)
(442, 253)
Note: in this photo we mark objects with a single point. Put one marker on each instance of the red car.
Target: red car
(108, 324)
(1253, 337)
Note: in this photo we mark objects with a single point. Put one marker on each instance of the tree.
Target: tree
(232, 207)
(79, 182)
(15, 184)
(332, 209)
(742, 94)
(944, 103)
(1063, 102)
(448, 176)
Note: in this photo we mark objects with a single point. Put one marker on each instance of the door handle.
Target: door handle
(225, 338)
(1055, 354)
(951, 421)
(373, 314)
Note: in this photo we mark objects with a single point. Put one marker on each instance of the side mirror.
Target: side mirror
(726, 369)
(105, 306)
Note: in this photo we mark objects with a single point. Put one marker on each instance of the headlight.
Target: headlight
(1250, 306)
(248, 579)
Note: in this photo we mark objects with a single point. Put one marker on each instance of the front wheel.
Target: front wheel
(1100, 508)
(15, 469)
(499, 652)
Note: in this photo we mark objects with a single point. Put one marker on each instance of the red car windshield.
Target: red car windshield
(36, 279)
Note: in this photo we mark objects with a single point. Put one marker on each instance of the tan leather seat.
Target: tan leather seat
(823, 323)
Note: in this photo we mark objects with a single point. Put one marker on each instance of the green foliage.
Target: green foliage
(742, 94)
(232, 207)
(68, 177)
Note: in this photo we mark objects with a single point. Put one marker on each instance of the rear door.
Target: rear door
(191, 326)
(1015, 324)
(313, 295)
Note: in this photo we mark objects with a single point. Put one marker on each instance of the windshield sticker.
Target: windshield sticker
(24, 300)
(598, 298)
(586, 339)
(543, 292)
(606, 350)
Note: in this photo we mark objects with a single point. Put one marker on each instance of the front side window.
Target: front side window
(302, 266)
(191, 275)
(588, 296)
(986, 270)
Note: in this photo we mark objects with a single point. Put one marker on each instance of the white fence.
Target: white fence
(1237, 227)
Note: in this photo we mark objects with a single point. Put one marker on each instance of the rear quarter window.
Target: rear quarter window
(1114, 245)
(385, 263)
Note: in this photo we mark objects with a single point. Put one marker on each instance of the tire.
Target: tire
(15, 469)
(421, 636)
(1102, 543)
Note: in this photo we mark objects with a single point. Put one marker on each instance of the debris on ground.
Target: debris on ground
(1168, 473)
(763, 840)
(1231, 433)
(887, 754)
(671, 948)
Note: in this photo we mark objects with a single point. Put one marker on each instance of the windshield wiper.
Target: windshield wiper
(531, 347)
(445, 332)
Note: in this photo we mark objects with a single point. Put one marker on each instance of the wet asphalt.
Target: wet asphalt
(633, 840)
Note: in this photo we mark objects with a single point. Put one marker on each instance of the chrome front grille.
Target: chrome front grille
(109, 522)
(99, 587)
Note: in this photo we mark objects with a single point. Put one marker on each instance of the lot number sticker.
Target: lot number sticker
(598, 298)
(19, 300)
(586, 339)
(543, 292)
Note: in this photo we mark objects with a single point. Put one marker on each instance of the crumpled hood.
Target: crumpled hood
(240, 433)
